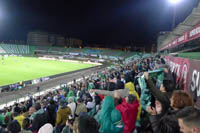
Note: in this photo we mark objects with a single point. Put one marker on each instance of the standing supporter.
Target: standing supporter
(39, 118)
(47, 128)
(14, 127)
(129, 111)
(26, 125)
(18, 115)
(51, 109)
(189, 120)
(163, 120)
(71, 105)
(164, 94)
(62, 116)
(119, 83)
(110, 118)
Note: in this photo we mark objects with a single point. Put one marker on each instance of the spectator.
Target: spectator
(119, 84)
(181, 99)
(71, 105)
(62, 116)
(18, 116)
(40, 117)
(167, 121)
(189, 120)
(86, 124)
(129, 111)
(47, 128)
(81, 108)
(110, 118)
(51, 109)
(14, 127)
(26, 124)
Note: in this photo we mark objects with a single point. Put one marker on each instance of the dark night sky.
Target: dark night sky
(91, 20)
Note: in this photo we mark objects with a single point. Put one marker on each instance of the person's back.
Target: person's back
(129, 111)
(62, 115)
(119, 85)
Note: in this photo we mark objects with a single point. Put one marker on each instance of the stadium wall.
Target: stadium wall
(188, 74)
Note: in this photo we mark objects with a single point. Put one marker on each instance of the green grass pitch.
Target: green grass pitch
(16, 69)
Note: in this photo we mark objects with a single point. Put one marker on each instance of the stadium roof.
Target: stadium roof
(192, 20)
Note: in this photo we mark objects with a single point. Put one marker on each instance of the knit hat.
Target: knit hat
(47, 128)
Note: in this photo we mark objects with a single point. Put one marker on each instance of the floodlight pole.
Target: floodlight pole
(174, 17)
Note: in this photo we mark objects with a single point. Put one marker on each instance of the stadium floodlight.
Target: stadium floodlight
(175, 1)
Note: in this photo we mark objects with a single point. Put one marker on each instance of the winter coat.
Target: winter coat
(20, 119)
(72, 107)
(132, 90)
(62, 115)
(80, 109)
(52, 113)
(165, 123)
(129, 115)
(110, 118)
(39, 120)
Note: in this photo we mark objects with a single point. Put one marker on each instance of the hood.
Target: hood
(131, 87)
(115, 116)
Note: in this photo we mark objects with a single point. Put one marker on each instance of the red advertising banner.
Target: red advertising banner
(186, 37)
(188, 73)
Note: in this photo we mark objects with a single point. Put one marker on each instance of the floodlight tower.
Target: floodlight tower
(174, 3)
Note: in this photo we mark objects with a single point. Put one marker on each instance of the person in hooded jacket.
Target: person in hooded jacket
(110, 118)
(129, 111)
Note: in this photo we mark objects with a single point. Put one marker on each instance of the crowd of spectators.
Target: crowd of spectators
(136, 97)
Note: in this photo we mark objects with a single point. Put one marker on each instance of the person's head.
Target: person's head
(62, 104)
(167, 86)
(14, 127)
(31, 110)
(87, 124)
(47, 128)
(168, 125)
(25, 123)
(181, 99)
(117, 101)
(131, 98)
(189, 120)
(37, 106)
(70, 100)
(79, 101)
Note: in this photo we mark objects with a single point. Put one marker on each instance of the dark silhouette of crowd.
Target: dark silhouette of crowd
(136, 97)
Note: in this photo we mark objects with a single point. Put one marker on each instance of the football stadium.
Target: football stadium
(56, 83)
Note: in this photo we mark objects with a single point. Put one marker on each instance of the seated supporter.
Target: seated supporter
(189, 120)
(129, 111)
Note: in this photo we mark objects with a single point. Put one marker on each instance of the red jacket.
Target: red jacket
(129, 115)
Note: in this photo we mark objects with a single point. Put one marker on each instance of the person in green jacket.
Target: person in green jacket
(110, 118)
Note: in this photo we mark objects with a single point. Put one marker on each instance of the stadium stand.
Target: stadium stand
(15, 49)
(77, 106)
(2, 51)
